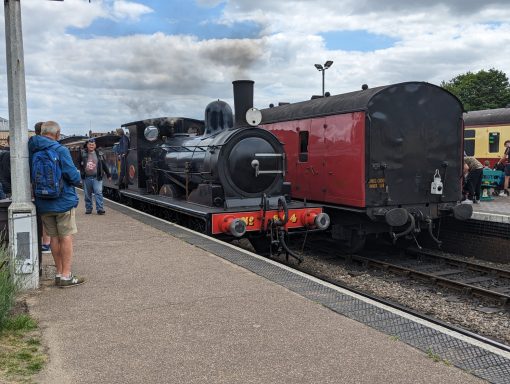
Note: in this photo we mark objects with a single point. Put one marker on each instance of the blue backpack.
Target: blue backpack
(47, 174)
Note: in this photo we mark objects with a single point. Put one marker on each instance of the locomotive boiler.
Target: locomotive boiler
(382, 160)
(222, 166)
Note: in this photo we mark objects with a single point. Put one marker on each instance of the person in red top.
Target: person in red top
(505, 159)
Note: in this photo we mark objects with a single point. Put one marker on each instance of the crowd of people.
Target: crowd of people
(57, 213)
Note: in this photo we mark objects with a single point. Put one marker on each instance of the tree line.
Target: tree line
(481, 90)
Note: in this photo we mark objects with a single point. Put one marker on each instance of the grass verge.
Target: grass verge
(21, 352)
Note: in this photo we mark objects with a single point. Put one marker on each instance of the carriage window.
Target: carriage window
(469, 134)
(493, 142)
(469, 147)
(303, 146)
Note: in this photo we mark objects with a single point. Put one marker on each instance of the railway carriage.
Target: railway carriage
(485, 133)
(382, 160)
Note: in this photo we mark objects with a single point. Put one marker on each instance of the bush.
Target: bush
(7, 286)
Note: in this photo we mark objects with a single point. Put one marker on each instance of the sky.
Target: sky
(101, 64)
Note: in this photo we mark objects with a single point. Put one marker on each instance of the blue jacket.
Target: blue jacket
(68, 199)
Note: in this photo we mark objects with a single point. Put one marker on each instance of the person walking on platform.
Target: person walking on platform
(505, 160)
(92, 166)
(473, 179)
(53, 179)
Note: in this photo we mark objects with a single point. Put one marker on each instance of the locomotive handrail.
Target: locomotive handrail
(255, 163)
(269, 155)
(181, 172)
(188, 148)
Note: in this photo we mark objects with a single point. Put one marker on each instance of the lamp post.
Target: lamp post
(322, 69)
(23, 241)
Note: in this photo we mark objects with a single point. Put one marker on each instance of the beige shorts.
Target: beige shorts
(60, 224)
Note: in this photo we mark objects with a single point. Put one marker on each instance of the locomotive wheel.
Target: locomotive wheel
(356, 242)
(261, 244)
(169, 190)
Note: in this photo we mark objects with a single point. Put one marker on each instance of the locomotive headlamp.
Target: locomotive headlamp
(253, 117)
(436, 187)
(151, 133)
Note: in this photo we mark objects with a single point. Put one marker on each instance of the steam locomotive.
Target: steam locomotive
(221, 177)
(381, 160)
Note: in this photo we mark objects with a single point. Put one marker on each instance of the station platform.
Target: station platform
(485, 236)
(163, 304)
(496, 210)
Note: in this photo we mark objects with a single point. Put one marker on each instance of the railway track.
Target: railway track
(330, 254)
(464, 276)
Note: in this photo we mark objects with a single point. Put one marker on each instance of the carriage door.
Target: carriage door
(302, 180)
(317, 159)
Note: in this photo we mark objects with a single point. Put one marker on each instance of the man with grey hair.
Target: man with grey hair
(58, 214)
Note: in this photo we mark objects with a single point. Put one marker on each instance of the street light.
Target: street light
(322, 69)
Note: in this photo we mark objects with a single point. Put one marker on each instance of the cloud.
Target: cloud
(129, 10)
(103, 82)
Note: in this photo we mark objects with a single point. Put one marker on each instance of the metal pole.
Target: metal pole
(23, 242)
(323, 71)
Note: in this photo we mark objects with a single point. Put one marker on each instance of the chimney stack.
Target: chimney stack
(243, 100)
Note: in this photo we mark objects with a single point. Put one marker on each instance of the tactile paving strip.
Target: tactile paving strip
(471, 358)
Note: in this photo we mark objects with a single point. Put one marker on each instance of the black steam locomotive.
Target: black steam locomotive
(219, 177)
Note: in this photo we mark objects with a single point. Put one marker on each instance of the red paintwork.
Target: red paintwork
(253, 219)
(335, 170)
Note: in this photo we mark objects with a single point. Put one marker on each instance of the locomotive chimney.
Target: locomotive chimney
(243, 100)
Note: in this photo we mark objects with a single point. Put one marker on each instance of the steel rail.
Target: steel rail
(503, 298)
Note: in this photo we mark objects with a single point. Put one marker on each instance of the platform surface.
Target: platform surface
(157, 309)
(496, 210)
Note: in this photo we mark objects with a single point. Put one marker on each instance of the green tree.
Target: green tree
(482, 90)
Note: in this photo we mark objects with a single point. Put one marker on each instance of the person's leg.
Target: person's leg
(98, 193)
(478, 183)
(66, 225)
(57, 254)
(88, 187)
(122, 170)
(66, 254)
(66, 251)
(49, 222)
(470, 186)
(45, 238)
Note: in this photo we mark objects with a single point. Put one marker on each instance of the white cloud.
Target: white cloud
(103, 82)
(129, 10)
